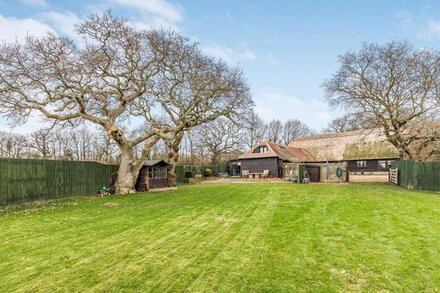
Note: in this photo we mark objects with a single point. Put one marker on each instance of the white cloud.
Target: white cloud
(283, 98)
(34, 123)
(430, 30)
(161, 8)
(423, 27)
(247, 55)
(63, 22)
(12, 28)
(272, 60)
(315, 113)
(38, 3)
(144, 14)
(324, 115)
(229, 15)
(229, 55)
(153, 22)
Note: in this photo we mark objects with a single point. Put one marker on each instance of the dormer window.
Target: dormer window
(263, 149)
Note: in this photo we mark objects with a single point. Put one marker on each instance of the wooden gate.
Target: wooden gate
(314, 173)
(394, 176)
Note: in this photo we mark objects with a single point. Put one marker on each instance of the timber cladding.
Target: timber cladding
(24, 180)
(259, 165)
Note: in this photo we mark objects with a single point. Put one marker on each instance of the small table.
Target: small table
(255, 175)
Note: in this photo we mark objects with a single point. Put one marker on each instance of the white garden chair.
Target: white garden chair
(265, 173)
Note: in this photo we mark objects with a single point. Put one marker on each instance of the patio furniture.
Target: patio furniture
(265, 173)
(255, 175)
(245, 173)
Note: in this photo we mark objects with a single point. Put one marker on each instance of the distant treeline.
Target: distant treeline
(211, 143)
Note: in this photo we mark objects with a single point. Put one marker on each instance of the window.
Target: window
(263, 149)
(163, 172)
(385, 164)
(155, 172)
(361, 164)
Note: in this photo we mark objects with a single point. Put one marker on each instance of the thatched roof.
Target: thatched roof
(283, 152)
(352, 145)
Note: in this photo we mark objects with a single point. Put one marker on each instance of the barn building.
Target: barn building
(354, 152)
(364, 151)
(268, 156)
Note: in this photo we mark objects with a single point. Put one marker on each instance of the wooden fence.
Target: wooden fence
(418, 175)
(24, 180)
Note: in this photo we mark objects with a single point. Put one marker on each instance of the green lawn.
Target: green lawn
(228, 238)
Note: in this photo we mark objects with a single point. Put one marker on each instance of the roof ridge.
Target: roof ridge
(282, 151)
(337, 134)
(269, 146)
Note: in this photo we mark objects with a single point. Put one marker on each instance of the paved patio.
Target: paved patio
(243, 180)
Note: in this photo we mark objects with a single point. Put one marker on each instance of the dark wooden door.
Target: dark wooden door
(314, 173)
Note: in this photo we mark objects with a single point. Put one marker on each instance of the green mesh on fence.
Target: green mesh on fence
(24, 180)
(418, 175)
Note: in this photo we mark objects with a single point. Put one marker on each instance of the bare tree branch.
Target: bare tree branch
(392, 86)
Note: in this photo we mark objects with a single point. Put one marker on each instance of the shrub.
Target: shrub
(188, 174)
(208, 172)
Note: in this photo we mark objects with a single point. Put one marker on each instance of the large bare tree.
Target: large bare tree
(95, 82)
(255, 129)
(82, 143)
(274, 131)
(12, 145)
(41, 141)
(191, 89)
(220, 137)
(294, 128)
(347, 122)
(392, 86)
(117, 76)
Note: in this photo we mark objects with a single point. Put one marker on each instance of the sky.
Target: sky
(286, 49)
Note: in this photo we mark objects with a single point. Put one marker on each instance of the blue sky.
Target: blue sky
(285, 48)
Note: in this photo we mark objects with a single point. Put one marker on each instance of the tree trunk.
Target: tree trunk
(126, 180)
(401, 153)
(215, 158)
(172, 159)
(130, 167)
(172, 178)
